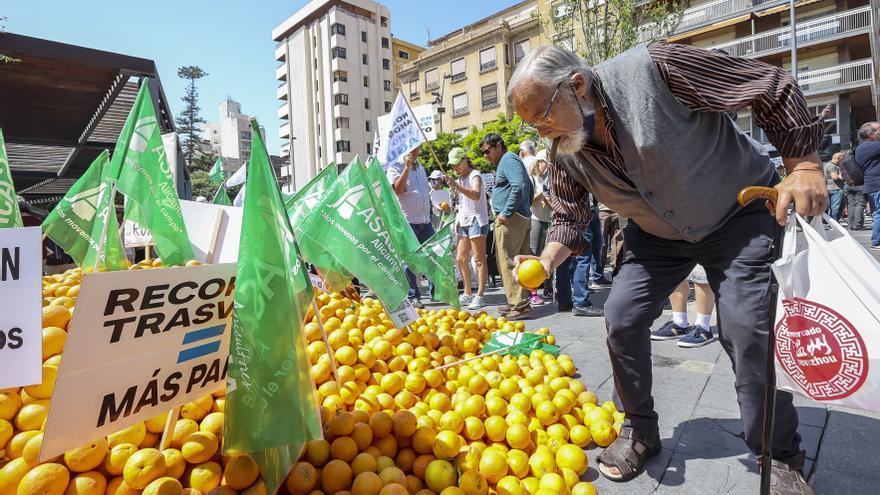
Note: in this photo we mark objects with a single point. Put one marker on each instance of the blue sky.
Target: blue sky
(231, 40)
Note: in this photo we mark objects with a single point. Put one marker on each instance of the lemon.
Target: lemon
(199, 447)
(142, 467)
(118, 486)
(156, 424)
(440, 475)
(165, 485)
(10, 403)
(531, 274)
(197, 409)
(584, 488)
(45, 479)
(90, 483)
(86, 457)
(213, 423)
(182, 429)
(205, 476)
(53, 341)
(115, 460)
(572, 457)
(510, 485)
(240, 471)
(31, 417)
(15, 447)
(12, 473)
(174, 463)
(43, 390)
(6, 432)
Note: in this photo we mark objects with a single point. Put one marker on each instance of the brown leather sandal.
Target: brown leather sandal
(628, 454)
(787, 476)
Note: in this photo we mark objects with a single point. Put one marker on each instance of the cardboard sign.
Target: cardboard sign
(21, 336)
(140, 343)
(424, 115)
(404, 314)
(136, 236)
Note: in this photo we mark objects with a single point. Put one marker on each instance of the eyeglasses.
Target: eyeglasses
(553, 99)
(486, 150)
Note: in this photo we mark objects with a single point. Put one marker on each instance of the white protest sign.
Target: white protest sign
(424, 114)
(21, 336)
(202, 222)
(140, 343)
(229, 235)
(135, 235)
(401, 132)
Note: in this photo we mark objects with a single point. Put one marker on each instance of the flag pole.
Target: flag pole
(430, 148)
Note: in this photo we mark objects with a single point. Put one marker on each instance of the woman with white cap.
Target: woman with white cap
(472, 225)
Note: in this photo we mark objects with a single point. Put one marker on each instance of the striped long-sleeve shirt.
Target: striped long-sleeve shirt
(702, 81)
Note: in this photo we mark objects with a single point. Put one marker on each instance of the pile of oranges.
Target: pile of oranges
(393, 423)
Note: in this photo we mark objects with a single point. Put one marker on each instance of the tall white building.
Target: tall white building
(230, 137)
(336, 79)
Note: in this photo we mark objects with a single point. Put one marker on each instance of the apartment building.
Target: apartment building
(230, 137)
(403, 52)
(836, 41)
(336, 78)
(465, 73)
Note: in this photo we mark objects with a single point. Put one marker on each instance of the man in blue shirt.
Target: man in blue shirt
(512, 205)
(867, 157)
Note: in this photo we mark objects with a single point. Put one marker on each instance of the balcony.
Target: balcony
(458, 112)
(281, 72)
(432, 85)
(717, 10)
(490, 102)
(838, 78)
(281, 92)
(340, 87)
(280, 51)
(282, 112)
(487, 66)
(841, 24)
(458, 77)
(284, 131)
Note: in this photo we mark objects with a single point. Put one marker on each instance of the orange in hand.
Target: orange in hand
(531, 274)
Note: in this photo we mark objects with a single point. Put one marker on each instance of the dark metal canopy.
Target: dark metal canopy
(61, 105)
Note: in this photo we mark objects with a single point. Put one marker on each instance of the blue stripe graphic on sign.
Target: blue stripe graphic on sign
(197, 352)
(205, 333)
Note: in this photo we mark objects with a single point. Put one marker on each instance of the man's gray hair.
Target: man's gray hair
(548, 64)
(529, 147)
(867, 131)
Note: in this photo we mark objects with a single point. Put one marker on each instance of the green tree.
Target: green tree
(445, 141)
(190, 119)
(609, 27)
(203, 161)
(514, 131)
(201, 185)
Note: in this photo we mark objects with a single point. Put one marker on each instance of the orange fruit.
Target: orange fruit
(362, 463)
(366, 483)
(493, 465)
(405, 459)
(317, 452)
(302, 479)
(440, 475)
(336, 476)
(423, 440)
(473, 483)
(531, 274)
(584, 488)
(572, 457)
(603, 433)
(518, 463)
(344, 449)
(381, 424)
(341, 424)
(446, 444)
(387, 446)
(518, 436)
(55, 316)
(496, 428)
(392, 474)
(510, 485)
(405, 424)
(393, 489)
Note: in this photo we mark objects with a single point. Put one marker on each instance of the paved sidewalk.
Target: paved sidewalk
(703, 452)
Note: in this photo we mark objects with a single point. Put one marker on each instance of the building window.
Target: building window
(386, 64)
(339, 75)
(340, 99)
(338, 29)
(245, 145)
(413, 90)
(366, 82)
(369, 148)
(367, 103)
(364, 36)
(343, 146)
(316, 60)
(487, 59)
(383, 21)
(457, 69)
(386, 85)
(319, 152)
(342, 122)
(384, 42)
(489, 96)
(338, 52)
(461, 131)
(364, 58)
(561, 11)
(387, 106)
(244, 134)
(367, 126)
(520, 49)
(459, 105)
(402, 54)
(431, 81)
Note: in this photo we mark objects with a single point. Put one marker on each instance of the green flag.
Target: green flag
(77, 221)
(348, 223)
(402, 234)
(10, 216)
(216, 175)
(271, 411)
(221, 197)
(141, 167)
(434, 259)
(105, 226)
(298, 206)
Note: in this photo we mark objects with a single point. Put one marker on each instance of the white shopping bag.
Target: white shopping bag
(828, 315)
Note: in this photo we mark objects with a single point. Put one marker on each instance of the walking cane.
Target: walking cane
(746, 196)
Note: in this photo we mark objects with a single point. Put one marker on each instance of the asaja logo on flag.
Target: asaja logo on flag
(442, 247)
(85, 203)
(143, 132)
(213, 336)
(349, 201)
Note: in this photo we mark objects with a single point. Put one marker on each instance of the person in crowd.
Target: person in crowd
(441, 201)
(643, 131)
(700, 333)
(540, 211)
(410, 183)
(835, 184)
(853, 192)
(867, 156)
(572, 287)
(610, 222)
(511, 203)
(472, 225)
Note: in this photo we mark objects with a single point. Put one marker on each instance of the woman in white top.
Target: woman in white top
(472, 225)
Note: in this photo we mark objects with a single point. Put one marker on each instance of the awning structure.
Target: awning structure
(61, 105)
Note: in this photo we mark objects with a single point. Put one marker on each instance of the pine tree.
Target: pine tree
(190, 119)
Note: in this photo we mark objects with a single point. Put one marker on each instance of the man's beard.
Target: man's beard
(572, 143)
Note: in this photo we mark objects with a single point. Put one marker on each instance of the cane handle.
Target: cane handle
(751, 193)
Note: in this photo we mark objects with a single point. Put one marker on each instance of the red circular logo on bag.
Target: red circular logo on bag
(820, 350)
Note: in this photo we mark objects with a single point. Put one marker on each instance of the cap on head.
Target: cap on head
(456, 155)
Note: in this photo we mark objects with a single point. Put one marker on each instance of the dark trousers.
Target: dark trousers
(423, 232)
(855, 205)
(736, 258)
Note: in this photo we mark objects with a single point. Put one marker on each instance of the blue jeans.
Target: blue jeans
(874, 197)
(835, 203)
(423, 232)
(571, 276)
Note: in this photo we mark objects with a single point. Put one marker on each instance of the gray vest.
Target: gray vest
(687, 166)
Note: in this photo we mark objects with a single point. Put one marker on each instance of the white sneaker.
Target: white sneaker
(476, 303)
(465, 299)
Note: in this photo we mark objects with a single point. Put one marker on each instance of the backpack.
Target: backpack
(850, 170)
